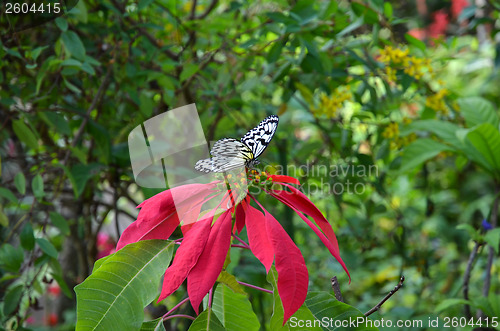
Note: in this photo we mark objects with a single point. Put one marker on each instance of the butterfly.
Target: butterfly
(230, 153)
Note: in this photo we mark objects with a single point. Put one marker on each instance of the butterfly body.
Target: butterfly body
(230, 153)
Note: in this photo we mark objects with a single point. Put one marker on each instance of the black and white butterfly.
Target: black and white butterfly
(229, 153)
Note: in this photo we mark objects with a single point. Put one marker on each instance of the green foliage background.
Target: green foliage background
(352, 90)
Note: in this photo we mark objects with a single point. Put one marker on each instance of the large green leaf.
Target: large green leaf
(336, 315)
(207, 320)
(420, 151)
(154, 325)
(303, 319)
(234, 310)
(485, 138)
(114, 296)
(477, 110)
(445, 130)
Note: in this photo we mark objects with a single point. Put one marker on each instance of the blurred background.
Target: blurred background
(371, 95)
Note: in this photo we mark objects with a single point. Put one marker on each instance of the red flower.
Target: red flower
(207, 239)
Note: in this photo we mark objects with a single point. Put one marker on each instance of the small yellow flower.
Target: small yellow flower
(330, 105)
(437, 102)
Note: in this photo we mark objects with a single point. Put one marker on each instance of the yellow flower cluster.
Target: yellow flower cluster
(396, 58)
(437, 103)
(330, 105)
(392, 132)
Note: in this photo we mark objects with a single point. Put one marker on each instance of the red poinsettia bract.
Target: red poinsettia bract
(207, 239)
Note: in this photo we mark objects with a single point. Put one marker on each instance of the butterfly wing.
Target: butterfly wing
(230, 147)
(227, 154)
(219, 164)
(259, 137)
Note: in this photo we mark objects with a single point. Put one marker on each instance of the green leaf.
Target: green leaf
(154, 325)
(20, 182)
(4, 221)
(486, 140)
(114, 296)
(206, 321)
(59, 222)
(73, 44)
(7, 194)
(80, 174)
(226, 302)
(445, 130)
(275, 51)
(37, 51)
(477, 110)
(447, 303)
(37, 186)
(324, 305)
(415, 42)
(229, 280)
(62, 24)
(47, 247)
(11, 257)
(388, 10)
(62, 284)
(492, 237)
(189, 70)
(12, 299)
(103, 140)
(24, 133)
(56, 121)
(420, 151)
(27, 237)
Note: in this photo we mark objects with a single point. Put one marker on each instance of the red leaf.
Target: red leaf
(160, 229)
(158, 217)
(204, 274)
(335, 252)
(293, 277)
(186, 257)
(298, 200)
(239, 216)
(258, 237)
(285, 179)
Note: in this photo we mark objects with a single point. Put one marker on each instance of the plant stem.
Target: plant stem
(173, 309)
(255, 287)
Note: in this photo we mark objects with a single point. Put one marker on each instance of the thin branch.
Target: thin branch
(193, 9)
(241, 241)
(387, 297)
(209, 10)
(179, 315)
(255, 287)
(240, 246)
(93, 104)
(470, 265)
(336, 289)
(175, 308)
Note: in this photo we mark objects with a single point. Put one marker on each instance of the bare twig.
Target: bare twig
(336, 289)
(387, 297)
(491, 250)
(470, 265)
(209, 10)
